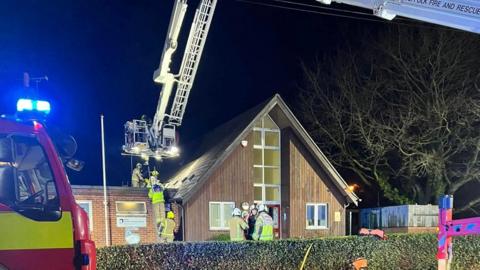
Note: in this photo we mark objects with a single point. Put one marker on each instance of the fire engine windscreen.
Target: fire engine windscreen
(27, 185)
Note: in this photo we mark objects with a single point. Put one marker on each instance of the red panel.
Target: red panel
(4, 208)
(37, 259)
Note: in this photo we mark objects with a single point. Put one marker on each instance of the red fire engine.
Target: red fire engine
(41, 226)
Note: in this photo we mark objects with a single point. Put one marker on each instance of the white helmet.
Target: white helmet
(236, 212)
(262, 208)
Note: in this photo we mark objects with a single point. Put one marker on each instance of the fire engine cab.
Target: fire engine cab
(41, 226)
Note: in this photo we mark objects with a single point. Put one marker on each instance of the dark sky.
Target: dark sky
(100, 56)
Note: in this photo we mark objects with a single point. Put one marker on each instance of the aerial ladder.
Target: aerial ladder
(460, 14)
(157, 138)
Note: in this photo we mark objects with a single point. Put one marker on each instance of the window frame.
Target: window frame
(90, 212)
(264, 147)
(121, 213)
(222, 215)
(33, 172)
(316, 207)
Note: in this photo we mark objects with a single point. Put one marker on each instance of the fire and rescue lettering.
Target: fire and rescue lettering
(449, 5)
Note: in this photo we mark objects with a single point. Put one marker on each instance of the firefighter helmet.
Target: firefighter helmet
(262, 208)
(170, 215)
(236, 212)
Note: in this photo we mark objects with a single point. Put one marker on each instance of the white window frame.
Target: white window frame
(263, 147)
(222, 215)
(315, 216)
(121, 213)
(90, 212)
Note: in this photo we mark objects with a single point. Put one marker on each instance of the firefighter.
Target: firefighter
(237, 226)
(153, 179)
(158, 203)
(137, 178)
(263, 225)
(167, 228)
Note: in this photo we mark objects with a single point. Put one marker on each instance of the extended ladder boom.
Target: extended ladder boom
(191, 59)
(460, 14)
(158, 139)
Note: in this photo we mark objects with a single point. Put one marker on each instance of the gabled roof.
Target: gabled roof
(218, 145)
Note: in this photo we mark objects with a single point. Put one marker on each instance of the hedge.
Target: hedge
(402, 251)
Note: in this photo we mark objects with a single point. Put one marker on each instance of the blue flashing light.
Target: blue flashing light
(24, 105)
(33, 105)
(43, 106)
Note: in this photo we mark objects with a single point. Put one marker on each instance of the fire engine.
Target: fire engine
(41, 226)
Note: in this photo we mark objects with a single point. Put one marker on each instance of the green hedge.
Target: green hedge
(402, 251)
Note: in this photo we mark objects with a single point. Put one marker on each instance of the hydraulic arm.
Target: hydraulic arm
(158, 139)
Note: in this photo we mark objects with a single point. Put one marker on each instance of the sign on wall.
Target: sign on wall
(338, 216)
(139, 222)
(131, 236)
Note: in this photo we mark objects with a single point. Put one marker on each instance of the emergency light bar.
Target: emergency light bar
(30, 105)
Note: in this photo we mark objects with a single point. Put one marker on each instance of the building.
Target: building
(264, 156)
(128, 214)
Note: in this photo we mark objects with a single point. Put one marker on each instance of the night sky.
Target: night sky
(100, 57)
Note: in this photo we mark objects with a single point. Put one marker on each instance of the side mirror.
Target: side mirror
(75, 164)
(6, 150)
(67, 146)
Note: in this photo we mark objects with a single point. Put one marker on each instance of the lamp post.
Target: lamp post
(351, 189)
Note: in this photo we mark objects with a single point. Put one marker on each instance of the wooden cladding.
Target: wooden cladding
(232, 181)
(302, 181)
(309, 184)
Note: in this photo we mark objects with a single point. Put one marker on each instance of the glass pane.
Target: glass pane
(268, 123)
(257, 194)
(257, 138)
(272, 157)
(272, 194)
(131, 207)
(272, 176)
(215, 215)
(85, 206)
(310, 215)
(257, 156)
(272, 138)
(33, 175)
(258, 124)
(275, 217)
(227, 214)
(257, 175)
(322, 216)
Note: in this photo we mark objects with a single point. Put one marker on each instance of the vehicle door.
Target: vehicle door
(34, 231)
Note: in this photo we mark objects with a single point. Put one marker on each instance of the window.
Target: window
(219, 214)
(266, 160)
(27, 184)
(317, 216)
(87, 206)
(131, 208)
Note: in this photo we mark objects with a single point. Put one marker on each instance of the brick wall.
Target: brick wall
(117, 235)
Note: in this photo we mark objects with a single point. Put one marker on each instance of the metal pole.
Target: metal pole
(105, 201)
(350, 222)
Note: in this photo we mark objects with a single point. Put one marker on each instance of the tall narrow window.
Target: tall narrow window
(266, 160)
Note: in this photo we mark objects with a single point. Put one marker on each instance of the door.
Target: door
(32, 224)
(274, 212)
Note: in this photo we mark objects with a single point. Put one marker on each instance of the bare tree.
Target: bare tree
(401, 112)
